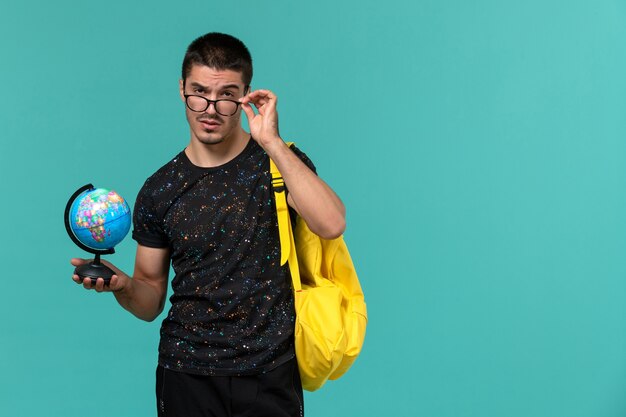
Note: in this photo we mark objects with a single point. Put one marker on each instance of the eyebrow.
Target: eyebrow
(223, 87)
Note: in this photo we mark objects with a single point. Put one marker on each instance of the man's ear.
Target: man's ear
(181, 88)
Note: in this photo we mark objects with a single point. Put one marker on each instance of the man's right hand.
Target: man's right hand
(144, 293)
(118, 282)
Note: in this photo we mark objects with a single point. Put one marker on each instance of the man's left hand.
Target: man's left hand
(264, 124)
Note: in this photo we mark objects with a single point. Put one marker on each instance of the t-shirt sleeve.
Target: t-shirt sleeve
(307, 161)
(147, 226)
(304, 158)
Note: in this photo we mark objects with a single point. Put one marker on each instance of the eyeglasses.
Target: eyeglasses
(199, 104)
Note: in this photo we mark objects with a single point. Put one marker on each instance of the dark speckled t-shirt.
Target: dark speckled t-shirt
(232, 305)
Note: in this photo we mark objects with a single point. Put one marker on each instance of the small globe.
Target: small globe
(99, 218)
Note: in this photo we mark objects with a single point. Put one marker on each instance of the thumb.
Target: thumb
(78, 261)
(248, 110)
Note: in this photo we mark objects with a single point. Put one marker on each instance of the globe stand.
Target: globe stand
(94, 269)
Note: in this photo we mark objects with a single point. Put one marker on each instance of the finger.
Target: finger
(260, 101)
(78, 261)
(99, 285)
(76, 279)
(248, 111)
(262, 93)
(114, 283)
(249, 99)
(87, 283)
(260, 97)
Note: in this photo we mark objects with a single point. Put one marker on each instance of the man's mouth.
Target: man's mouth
(209, 123)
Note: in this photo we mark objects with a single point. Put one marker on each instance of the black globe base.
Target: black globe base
(94, 270)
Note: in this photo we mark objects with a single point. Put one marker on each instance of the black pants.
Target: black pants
(277, 393)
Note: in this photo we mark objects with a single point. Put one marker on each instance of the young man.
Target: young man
(227, 342)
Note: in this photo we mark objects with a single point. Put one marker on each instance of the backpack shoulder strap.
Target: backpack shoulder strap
(282, 211)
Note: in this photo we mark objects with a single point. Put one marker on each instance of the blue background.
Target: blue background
(479, 147)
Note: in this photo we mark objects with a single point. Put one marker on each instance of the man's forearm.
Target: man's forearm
(144, 299)
(312, 198)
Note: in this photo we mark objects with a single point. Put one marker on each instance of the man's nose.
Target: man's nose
(211, 108)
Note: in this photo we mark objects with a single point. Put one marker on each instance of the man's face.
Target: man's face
(208, 126)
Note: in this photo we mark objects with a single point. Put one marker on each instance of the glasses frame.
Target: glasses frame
(208, 104)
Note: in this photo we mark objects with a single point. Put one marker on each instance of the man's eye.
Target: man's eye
(227, 94)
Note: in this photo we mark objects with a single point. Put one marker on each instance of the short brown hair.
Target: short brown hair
(221, 52)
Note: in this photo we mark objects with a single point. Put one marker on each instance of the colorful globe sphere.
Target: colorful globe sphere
(100, 218)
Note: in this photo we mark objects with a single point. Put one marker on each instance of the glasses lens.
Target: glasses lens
(226, 107)
(197, 103)
(223, 107)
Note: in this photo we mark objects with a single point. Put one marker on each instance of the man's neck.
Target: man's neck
(208, 156)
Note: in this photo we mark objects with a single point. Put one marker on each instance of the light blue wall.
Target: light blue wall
(480, 148)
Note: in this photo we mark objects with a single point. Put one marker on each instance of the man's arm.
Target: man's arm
(309, 195)
(143, 294)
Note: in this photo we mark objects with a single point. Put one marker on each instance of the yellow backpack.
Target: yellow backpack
(331, 315)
